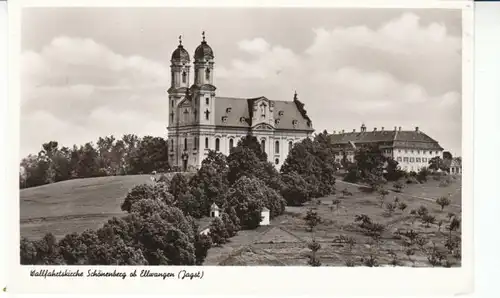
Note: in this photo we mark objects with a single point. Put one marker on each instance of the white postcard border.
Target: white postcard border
(270, 281)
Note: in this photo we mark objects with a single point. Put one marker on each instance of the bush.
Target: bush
(398, 186)
(312, 219)
(218, 232)
(178, 186)
(422, 175)
(443, 202)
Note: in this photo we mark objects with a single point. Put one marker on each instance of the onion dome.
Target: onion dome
(203, 50)
(180, 54)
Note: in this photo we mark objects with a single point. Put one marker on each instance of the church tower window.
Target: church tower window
(207, 74)
(207, 101)
(185, 144)
(263, 145)
(184, 76)
(195, 145)
(217, 144)
(171, 145)
(231, 145)
(290, 146)
(206, 143)
(277, 147)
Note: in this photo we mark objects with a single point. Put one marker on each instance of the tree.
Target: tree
(314, 247)
(422, 175)
(295, 189)
(428, 219)
(243, 162)
(253, 144)
(178, 186)
(443, 202)
(231, 228)
(312, 219)
(383, 193)
(218, 232)
(150, 155)
(202, 244)
(41, 252)
(314, 161)
(158, 191)
(247, 199)
(436, 163)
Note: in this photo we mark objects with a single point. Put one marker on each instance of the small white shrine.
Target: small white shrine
(214, 210)
(265, 221)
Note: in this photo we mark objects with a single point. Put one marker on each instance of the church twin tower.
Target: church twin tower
(202, 92)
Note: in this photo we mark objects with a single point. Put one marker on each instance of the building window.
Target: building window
(207, 74)
(417, 159)
(405, 159)
(184, 77)
(171, 145)
(206, 143)
(172, 103)
(399, 150)
(277, 147)
(418, 151)
(424, 159)
(412, 159)
(217, 144)
(231, 144)
(185, 144)
(399, 158)
(195, 143)
(290, 146)
(207, 101)
(263, 145)
(276, 161)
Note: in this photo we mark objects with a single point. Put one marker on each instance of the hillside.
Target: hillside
(74, 205)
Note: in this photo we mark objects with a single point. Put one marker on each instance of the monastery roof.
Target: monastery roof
(410, 139)
(238, 113)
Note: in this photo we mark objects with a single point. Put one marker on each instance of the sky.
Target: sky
(91, 72)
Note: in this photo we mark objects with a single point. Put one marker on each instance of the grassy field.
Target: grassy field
(74, 205)
(284, 242)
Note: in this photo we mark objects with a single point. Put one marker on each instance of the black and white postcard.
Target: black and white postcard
(225, 147)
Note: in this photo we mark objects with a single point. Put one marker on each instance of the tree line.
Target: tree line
(161, 225)
(108, 157)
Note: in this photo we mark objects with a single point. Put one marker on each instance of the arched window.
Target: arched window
(217, 144)
(263, 145)
(184, 75)
(171, 145)
(231, 144)
(277, 147)
(207, 74)
(195, 143)
(290, 146)
(276, 161)
(206, 143)
(185, 144)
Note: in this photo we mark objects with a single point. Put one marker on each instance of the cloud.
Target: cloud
(75, 90)
(400, 74)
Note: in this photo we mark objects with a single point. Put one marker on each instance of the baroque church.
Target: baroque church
(200, 121)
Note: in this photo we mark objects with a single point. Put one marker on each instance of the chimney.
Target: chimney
(416, 129)
(334, 132)
(400, 128)
(342, 131)
(382, 128)
(374, 129)
(395, 128)
(354, 130)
